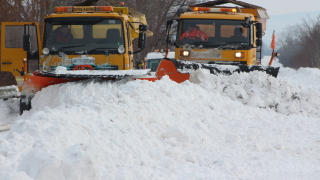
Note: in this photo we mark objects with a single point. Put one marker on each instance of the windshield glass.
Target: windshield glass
(153, 64)
(78, 34)
(213, 33)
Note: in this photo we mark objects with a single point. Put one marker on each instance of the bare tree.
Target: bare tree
(289, 46)
(300, 44)
(157, 13)
(310, 40)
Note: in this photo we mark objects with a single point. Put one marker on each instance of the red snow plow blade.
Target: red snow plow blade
(41, 79)
(169, 67)
(179, 71)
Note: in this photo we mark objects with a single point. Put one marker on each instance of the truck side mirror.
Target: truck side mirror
(259, 30)
(142, 40)
(143, 27)
(247, 23)
(259, 42)
(171, 40)
(26, 42)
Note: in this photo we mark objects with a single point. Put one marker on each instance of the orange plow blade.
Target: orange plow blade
(36, 83)
(167, 67)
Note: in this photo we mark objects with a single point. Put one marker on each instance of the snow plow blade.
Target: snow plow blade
(41, 79)
(8, 85)
(179, 71)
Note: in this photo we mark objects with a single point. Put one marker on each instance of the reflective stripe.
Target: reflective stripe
(202, 37)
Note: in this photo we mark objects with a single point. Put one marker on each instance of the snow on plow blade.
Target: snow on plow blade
(8, 85)
(179, 71)
(41, 79)
(9, 92)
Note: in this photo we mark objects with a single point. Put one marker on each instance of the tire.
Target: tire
(25, 103)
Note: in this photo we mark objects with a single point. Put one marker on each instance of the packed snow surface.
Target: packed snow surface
(244, 126)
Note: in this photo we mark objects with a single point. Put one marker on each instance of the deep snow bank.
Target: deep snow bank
(164, 130)
(258, 89)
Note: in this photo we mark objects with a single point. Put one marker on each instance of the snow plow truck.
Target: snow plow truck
(220, 38)
(79, 43)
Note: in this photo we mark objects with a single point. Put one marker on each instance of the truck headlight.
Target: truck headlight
(239, 54)
(45, 51)
(121, 49)
(185, 53)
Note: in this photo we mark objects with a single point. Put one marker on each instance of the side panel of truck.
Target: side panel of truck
(11, 47)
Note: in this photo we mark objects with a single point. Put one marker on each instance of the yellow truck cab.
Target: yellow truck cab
(229, 38)
(231, 34)
(100, 38)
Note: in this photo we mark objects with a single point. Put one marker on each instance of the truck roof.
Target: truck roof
(258, 12)
(233, 16)
(157, 55)
(220, 2)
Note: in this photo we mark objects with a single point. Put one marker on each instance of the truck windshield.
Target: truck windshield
(81, 34)
(213, 33)
(153, 64)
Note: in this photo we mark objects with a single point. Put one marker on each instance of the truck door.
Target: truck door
(11, 48)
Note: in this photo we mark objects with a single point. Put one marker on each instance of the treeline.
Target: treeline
(300, 44)
(28, 10)
(156, 11)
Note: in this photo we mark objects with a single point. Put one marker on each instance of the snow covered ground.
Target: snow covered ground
(245, 126)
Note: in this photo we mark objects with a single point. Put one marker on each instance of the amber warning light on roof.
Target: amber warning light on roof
(214, 9)
(76, 9)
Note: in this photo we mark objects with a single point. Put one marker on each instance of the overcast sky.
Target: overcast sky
(275, 7)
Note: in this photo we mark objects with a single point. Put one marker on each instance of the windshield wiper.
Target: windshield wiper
(64, 47)
(91, 50)
(203, 42)
(231, 43)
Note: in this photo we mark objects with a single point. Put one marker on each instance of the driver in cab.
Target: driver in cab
(62, 35)
(193, 32)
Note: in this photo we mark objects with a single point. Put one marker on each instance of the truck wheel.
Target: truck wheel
(25, 103)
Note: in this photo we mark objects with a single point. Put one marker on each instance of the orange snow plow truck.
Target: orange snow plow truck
(78, 43)
(222, 39)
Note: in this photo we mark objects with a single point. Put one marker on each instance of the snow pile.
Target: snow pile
(8, 110)
(257, 89)
(211, 127)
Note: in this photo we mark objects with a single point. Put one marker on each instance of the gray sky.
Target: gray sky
(275, 7)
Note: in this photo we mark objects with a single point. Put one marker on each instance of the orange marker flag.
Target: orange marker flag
(273, 41)
(272, 46)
